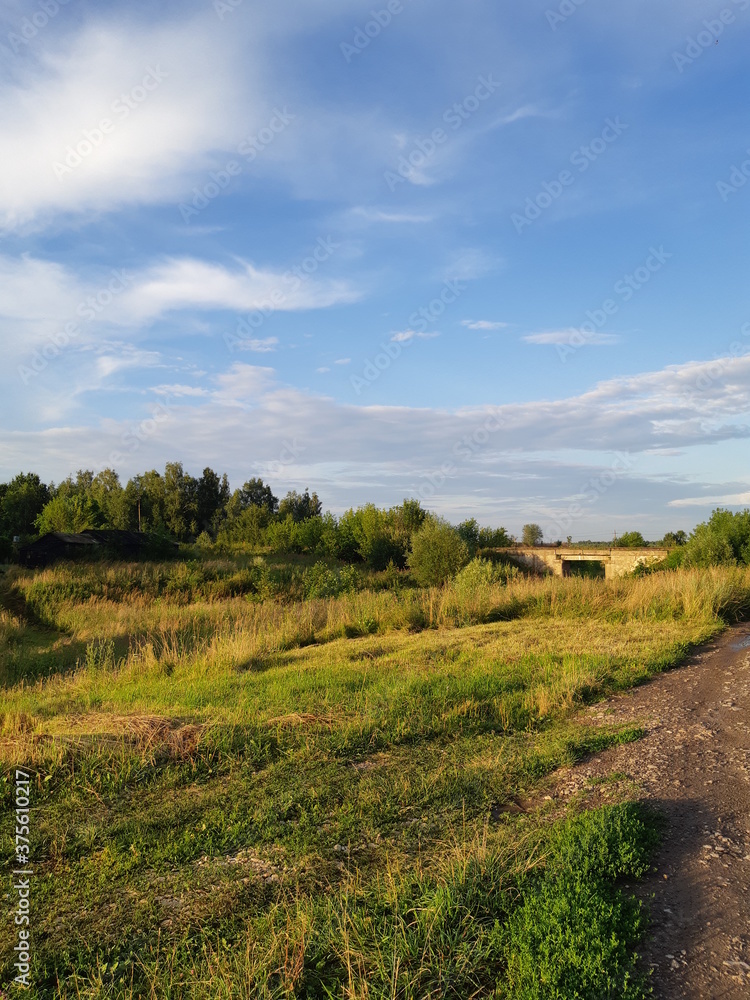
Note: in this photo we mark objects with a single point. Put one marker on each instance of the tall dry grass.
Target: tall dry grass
(243, 629)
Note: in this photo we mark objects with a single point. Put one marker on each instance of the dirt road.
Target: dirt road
(694, 764)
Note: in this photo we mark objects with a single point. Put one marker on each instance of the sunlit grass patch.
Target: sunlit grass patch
(339, 797)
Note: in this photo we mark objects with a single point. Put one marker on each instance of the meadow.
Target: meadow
(287, 779)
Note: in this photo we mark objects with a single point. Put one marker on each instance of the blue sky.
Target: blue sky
(493, 259)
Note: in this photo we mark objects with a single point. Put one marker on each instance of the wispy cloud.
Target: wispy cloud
(572, 337)
(395, 218)
(404, 336)
(483, 324)
(128, 115)
(472, 263)
(725, 500)
(676, 406)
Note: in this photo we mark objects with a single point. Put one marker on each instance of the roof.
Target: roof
(65, 538)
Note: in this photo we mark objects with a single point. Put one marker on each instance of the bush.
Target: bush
(476, 574)
(494, 538)
(376, 537)
(724, 540)
(322, 581)
(630, 540)
(438, 553)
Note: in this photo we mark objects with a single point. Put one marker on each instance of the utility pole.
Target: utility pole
(139, 515)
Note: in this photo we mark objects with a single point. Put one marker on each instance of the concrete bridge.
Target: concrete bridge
(617, 562)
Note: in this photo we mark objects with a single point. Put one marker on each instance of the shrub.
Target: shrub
(322, 581)
(476, 574)
(373, 536)
(438, 553)
(722, 540)
(630, 540)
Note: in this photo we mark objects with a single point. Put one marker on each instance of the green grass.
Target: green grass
(235, 811)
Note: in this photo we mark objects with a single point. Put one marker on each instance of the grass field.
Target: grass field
(255, 793)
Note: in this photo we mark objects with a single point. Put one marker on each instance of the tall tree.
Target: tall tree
(300, 506)
(23, 500)
(532, 534)
(255, 493)
(180, 501)
(109, 495)
(211, 497)
(146, 493)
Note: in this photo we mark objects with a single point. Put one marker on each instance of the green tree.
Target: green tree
(246, 526)
(255, 493)
(494, 538)
(377, 537)
(109, 495)
(180, 502)
(21, 501)
(532, 534)
(674, 538)
(211, 498)
(469, 531)
(300, 506)
(409, 516)
(70, 513)
(147, 493)
(722, 540)
(438, 553)
(630, 540)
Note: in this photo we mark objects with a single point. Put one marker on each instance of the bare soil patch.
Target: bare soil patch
(694, 765)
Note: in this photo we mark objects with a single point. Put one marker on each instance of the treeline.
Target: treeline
(204, 509)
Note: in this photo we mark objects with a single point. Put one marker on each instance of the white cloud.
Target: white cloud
(39, 299)
(178, 390)
(483, 324)
(187, 283)
(323, 370)
(172, 95)
(395, 218)
(266, 345)
(404, 336)
(572, 338)
(343, 361)
(727, 500)
(361, 452)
